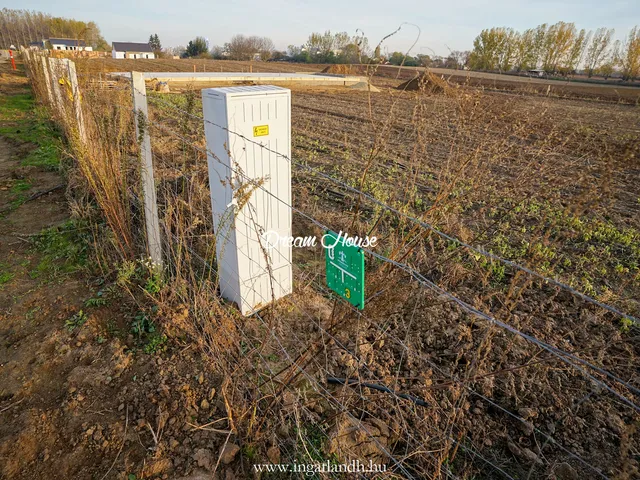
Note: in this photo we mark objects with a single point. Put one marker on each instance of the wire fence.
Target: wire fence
(432, 378)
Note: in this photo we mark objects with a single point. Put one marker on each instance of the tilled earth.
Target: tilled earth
(89, 403)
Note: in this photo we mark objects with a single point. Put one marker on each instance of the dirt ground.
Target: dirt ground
(382, 76)
(81, 400)
(94, 65)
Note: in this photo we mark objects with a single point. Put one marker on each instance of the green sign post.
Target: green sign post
(345, 269)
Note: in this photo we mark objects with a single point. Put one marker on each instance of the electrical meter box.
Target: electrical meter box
(248, 133)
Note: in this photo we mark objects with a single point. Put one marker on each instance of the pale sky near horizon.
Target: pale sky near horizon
(443, 26)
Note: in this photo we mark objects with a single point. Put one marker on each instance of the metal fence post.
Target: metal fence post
(139, 91)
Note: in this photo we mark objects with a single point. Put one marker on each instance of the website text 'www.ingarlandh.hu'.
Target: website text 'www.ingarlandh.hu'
(355, 466)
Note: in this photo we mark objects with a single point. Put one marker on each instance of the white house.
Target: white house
(536, 72)
(131, 50)
(67, 44)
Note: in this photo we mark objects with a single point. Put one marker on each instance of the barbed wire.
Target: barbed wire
(354, 355)
(365, 364)
(237, 324)
(294, 362)
(461, 383)
(343, 347)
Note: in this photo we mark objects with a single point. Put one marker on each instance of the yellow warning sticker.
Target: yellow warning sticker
(261, 130)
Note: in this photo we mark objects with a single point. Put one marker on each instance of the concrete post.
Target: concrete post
(75, 93)
(152, 223)
(47, 79)
(55, 67)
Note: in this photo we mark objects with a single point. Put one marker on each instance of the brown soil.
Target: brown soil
(426, 83)
(342, 70)
(593, 90)
(597, 91)
(522, 85)
(96, 65)
(88, 403)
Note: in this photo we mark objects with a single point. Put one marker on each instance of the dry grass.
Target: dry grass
(546, 183)
(100, 65)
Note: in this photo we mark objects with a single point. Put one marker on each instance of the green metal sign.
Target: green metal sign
(344, 268)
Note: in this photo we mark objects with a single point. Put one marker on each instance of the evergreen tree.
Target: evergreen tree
(154, 42)
(197, 46)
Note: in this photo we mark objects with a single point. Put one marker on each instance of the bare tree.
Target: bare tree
(598, 49)
(21, 27)
(460, 58)
(241, 47)
(630, 55)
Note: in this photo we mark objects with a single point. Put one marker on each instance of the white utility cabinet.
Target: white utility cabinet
(248, 133)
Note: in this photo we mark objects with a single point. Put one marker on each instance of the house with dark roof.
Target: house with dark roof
(131, 50)
(68, 44)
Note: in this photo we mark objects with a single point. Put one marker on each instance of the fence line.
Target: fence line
(397, 396)
(138, 88)
(556, 352)
(561, 354)
(404, 396)
(419, 222)
(343, 347)
(470, 309)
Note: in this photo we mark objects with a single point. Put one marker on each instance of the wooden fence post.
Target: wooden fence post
(139, 91)
(26, 58)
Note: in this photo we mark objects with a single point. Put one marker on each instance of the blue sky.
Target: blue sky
(443, 24)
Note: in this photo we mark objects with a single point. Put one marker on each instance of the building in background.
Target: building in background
(65, 44)
(131, 50)
(536, 72)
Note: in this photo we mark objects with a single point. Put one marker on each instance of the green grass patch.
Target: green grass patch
(76, 321)
(5, 275)
(64, 249)
(46, 157)
(15, 202)
(590, 253)
(147, 333)
(16, 107)
(20, 186)
(21, 120)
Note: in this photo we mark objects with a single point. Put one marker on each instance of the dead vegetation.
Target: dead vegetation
(547, 184)
(426, 83)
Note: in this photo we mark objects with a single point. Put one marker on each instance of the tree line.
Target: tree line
(327, 47)
(559, 49)
(324, 47)
(22, 27)
(240, 47)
